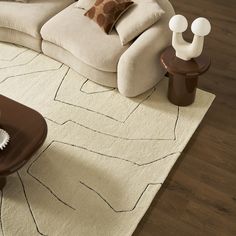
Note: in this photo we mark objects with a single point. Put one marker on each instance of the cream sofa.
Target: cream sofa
(75, 40)
(20, 23)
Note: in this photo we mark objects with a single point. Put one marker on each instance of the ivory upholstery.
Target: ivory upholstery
(139, 68)
(84, 39)
(17, 37)
(75, 40)
(23, 21)
(101, 77)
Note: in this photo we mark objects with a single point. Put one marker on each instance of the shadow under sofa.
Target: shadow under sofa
(63, 32)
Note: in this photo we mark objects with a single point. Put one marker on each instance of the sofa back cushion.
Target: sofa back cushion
(85, 4)
(142, 15)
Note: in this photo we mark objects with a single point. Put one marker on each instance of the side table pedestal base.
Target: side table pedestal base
(3, 181)
(183, 76)
(182, 90)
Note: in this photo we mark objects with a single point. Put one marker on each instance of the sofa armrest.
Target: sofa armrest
(139, 67)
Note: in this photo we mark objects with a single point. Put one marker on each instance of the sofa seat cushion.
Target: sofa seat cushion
(29, 17)
(79, 35)
(20, 38)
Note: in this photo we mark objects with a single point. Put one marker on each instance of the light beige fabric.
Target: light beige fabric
(17, 37)
(139, 68)
(101, 77)
(79, 35)
(85, 4)
(29, 18)
(140, 16)
(25, 1)
(105, 157)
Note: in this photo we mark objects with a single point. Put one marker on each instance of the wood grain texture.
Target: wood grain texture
(199, 196)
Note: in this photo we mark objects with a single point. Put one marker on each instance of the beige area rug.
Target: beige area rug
(105, 158)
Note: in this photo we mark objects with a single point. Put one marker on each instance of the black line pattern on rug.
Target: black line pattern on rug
(17, 55)
(24, 64)
(96, 112)
(63, 78)
(99, 113)
(30, 73)
(77, 106)
(176, 123)
(30, 209)
(1, 204)
(134, 163)
(90, 110)
(119, 137)
(60, 200)
(84, 107)
(41, 183)
(121, 211)
(100, 154)
(89, 93)
(93, 189)
(104, 155)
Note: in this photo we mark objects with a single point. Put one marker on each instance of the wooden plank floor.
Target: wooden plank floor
(199, 196)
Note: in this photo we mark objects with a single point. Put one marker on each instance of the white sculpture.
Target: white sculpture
(184, 50)
(4, 139)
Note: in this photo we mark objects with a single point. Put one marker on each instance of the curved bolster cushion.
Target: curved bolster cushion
(139, 68)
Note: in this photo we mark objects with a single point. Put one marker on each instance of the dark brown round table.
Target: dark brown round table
(183, 76)
(27, 130)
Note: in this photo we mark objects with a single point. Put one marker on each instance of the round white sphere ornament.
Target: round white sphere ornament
(201, 26)
(178, 24)
(4, 139)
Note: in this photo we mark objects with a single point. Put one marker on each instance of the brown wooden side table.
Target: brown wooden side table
(183, 76)
(27, 130)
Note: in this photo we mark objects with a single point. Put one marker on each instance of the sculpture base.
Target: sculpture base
(180, 56)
